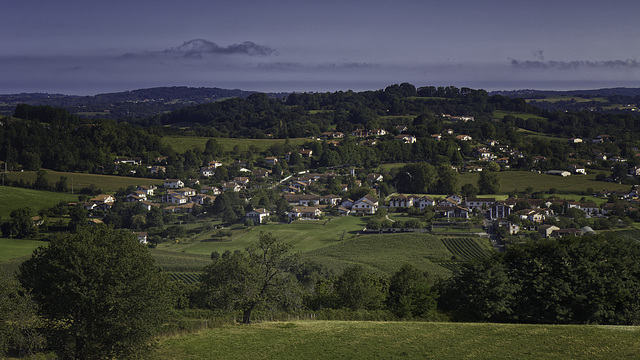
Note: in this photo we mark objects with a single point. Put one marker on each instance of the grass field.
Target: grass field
(567, 98)
(501, 114)
(12, 198)
(303, 235)
(385, 253)
(519, 180)
(181, 144)
(17, 248)
(108, 183)
(406, 340)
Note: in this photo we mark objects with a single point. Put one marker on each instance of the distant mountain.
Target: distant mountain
(541, 94)
(133, 104)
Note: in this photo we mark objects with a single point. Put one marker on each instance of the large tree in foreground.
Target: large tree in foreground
(99, 291)
(246, 280)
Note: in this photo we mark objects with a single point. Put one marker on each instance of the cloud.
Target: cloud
(575, 65)
(198, 47)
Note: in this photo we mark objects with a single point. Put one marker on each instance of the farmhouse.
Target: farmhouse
(558, 173)
(258, 216)
(479, 203)
(365, 205)
(173, 183)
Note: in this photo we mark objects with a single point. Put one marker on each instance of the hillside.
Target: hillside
(407, 340)
(127, 104)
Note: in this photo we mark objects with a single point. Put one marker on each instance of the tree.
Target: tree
(100, 292)
(358, 289)
(257, 277)
(62, 184)
(415, 178)
(17, 318)
(411, 294)
(21, 225)
(488, 182)
(42, 181)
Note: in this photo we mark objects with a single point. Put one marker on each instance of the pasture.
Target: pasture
(12, 198)
(407, 340)
(77, 181)
(501, 114)
(520, 180)
(180, 144)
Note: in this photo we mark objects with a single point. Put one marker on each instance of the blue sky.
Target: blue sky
(83, 47)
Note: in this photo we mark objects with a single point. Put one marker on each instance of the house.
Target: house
(562, 232)
(425, 201)
(374, 177)
(174, 198)
(513, 228)
(103, 199)
(231, 187)
(330, 199)
(533, 215)
(463, 137)
(156, 169)
(148, 190)
(258, 216)
(546, 230)
(241, 180)
(457, 212)
(207, 171)
(348, 204)
(133, 161)
(365, 205)
(479, 203)
(306, 153)
(304, 212)
(202, 199)
(271, 160)
(142, 237)
(575, 141)
(261, 173)
(303, 199)
(500, 209)
(447, 203)
(406, 138)
(578, 169)
(136, 196)
(173, 183)
(401, 201)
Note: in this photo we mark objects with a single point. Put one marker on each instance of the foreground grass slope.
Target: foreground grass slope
(410, 340)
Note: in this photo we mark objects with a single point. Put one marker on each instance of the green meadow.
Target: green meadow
(181, 144)
(406, 340)
(501, 114)
(519, 180)
(77, 181)
(12, 198)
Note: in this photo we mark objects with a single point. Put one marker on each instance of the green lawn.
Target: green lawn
(13, 198)
(406, 340)
(556, 99)
(108, 183)
(519, 180)
(17, 248)
(181, 144)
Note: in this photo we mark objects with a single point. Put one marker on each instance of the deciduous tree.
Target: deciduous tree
(100, 292)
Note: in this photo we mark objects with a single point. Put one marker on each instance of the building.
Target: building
(365, 205)
(173, 183)
(258, 216)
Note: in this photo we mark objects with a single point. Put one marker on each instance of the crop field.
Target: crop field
(185, 277)
(407, 340)
(77, 181)
(13, 198)
(520, 180)
(181, 144)
(465, 248)
(170, 261)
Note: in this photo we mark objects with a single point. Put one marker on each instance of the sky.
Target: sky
(88, 47)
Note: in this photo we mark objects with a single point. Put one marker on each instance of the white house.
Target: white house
(365, 205)
(173, 183)
(425, 201)
(257, 215)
